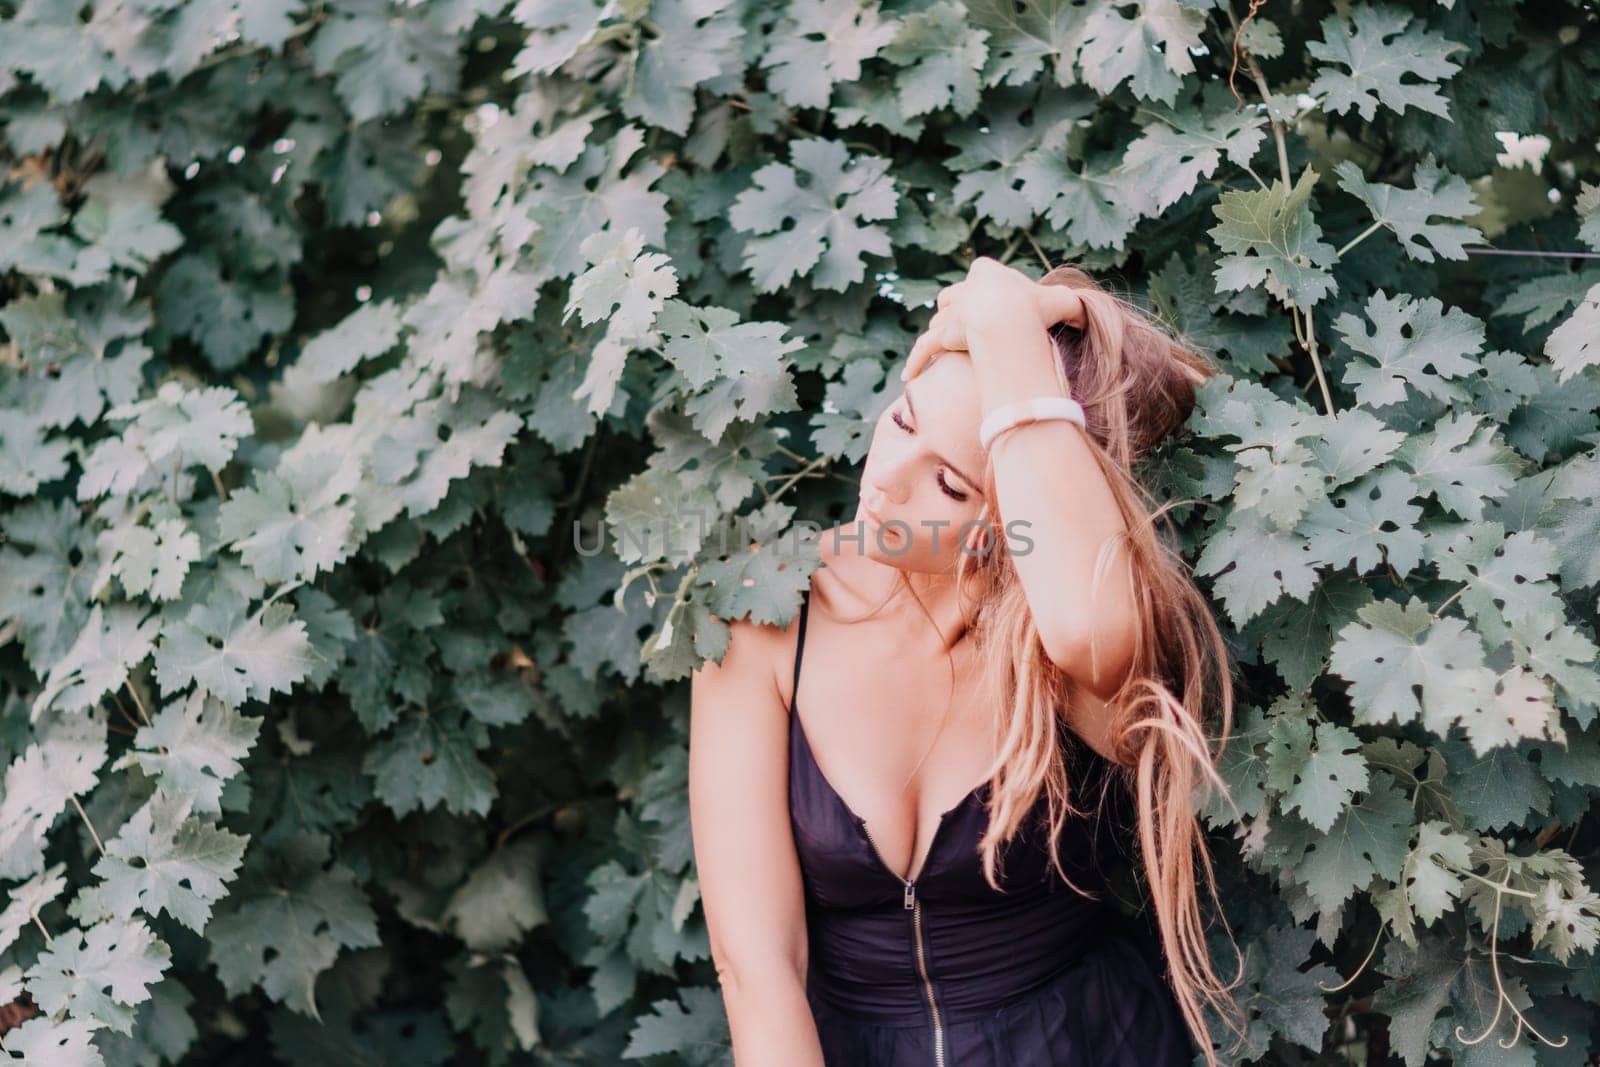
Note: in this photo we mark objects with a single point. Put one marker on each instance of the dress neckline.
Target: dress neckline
(798, 731)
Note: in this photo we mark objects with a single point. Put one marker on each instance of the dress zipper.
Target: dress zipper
(913, 905)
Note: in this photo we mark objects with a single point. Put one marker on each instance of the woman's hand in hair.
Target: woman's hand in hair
(992, 295)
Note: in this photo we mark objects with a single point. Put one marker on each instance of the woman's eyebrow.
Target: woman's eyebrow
(913, 409)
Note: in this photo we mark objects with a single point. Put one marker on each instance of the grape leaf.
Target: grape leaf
(1381, 52)
(625, 286)
(87, 365)
(1368, 522)
(23, 902)
(698, 41)
(384, 56)
(110, 644)
(819, 43)
(500, 902)
(683, 1024)
(1369, 837)
(1178, 146)
(559, 30)
(1566, 924)
(1415, 343)
(28, 459)
(148, 560)
(1422, 977)
(818, 227)
(193, 748)
(1461, 462)
(42, 39)
(287, 924)
(429, 759)
(1407, 211)
(1571, 346)
(225, 314)
(176, 426)
(705, 343)
(1502, 576)
(44, 1042)
(1318, 767)
(1403, 664)
(233, 655)
(1024, 38)
(592, 195)
(162, 860)
(941, 58)
(122, 219)
(1254, 564)
(1149, 50)
(1432, 881)
(60, 765)
(370, 330)
(1013, 153)
(1270, 238)
(100, 974)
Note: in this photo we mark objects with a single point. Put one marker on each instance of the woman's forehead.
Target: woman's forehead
(949, 383)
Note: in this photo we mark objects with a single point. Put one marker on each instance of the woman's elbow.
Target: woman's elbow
(739, 973)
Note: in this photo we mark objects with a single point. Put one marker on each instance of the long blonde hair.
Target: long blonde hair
(1136, 384)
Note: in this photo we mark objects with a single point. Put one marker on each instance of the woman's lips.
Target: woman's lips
(876, 521)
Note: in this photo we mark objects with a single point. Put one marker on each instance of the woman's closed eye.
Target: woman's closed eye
(954, 494)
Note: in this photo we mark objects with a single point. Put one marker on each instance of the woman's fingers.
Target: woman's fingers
(947, 328)
(945, 333)
(1061, 303)
(947, 294)
(917, 358)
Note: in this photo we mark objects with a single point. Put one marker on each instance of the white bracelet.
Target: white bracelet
(1035, 409)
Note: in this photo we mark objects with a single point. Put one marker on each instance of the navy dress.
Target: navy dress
(942, 971)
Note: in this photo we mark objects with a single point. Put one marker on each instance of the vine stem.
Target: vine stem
(143, 714)
(1498, 887)
(1044, 260)
(1370, 952)
(92, 831)
(1502, 1001)
(1377, 224)
(1448, 601)
(1277, 127)
(538, 813)
(123, 711)
(1310, 337)
(792, 454)
(1250, 171)
(1011, 246)
(40, 924)
(1316, 362)
(791, 480)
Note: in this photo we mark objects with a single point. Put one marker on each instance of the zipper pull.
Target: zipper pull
(911, 895)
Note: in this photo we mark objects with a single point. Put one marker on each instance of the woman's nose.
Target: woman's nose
(890, 488)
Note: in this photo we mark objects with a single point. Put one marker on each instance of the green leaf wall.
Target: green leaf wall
(323, 325)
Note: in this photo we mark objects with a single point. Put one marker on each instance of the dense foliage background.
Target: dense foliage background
(324, 322)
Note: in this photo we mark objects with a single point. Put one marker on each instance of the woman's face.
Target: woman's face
(920, 470)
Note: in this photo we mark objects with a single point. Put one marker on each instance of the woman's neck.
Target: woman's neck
(880, 589)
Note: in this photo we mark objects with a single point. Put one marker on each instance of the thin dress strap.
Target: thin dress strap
(799, 649)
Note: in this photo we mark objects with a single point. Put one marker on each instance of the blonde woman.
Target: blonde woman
(1001, 611)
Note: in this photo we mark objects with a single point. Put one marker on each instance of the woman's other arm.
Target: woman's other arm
(744, 849)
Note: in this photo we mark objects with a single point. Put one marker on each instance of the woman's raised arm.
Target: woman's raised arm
(750, 882)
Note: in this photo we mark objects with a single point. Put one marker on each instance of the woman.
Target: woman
(863, 910)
